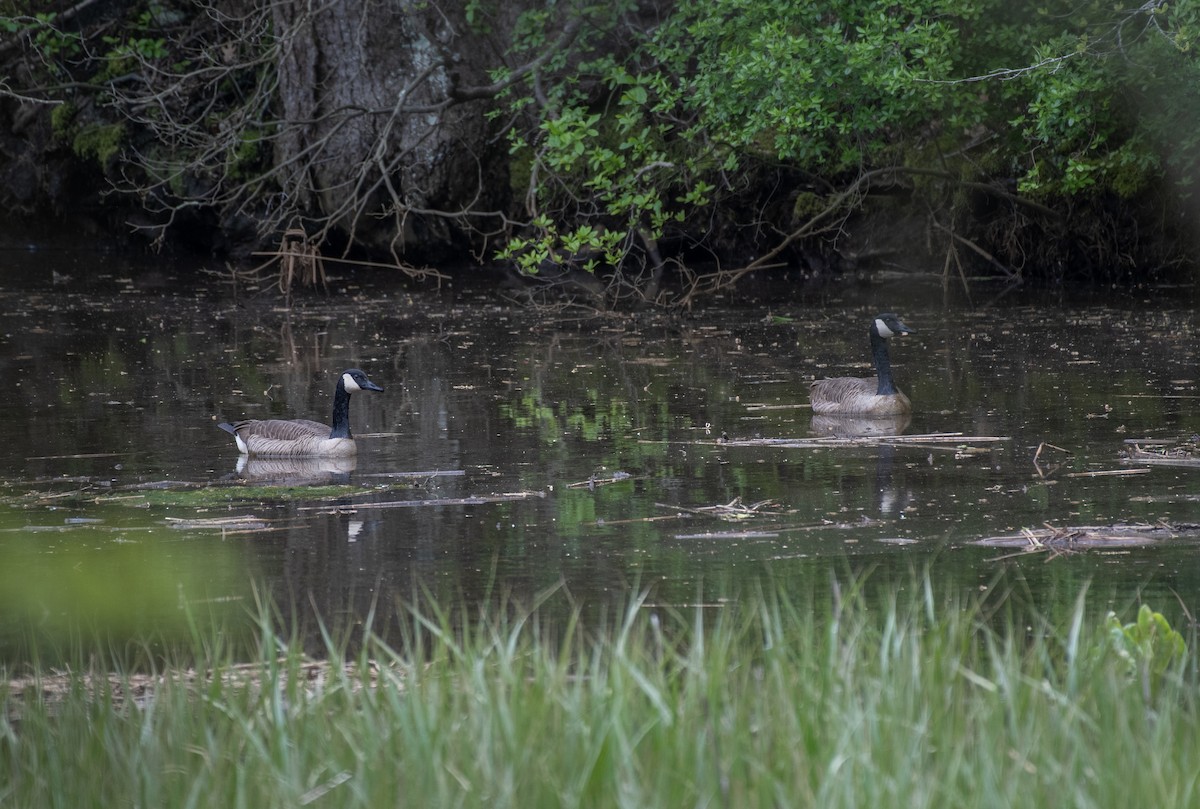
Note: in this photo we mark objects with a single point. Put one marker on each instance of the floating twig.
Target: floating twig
(593, 482)
(730, 535)
(756, 406)
(1037, 466)
(1105, 473)
(435, 473)
(660, 518)
(733, 510)
(77, 456)
(1044, 445)
(476, 500)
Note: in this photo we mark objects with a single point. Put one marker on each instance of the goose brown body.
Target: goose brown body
(870, 396)
(853, 396)
(290, 438)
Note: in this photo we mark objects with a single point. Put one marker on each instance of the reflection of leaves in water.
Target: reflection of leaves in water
(586, 418)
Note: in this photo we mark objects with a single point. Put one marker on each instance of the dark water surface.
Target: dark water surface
(110, 449)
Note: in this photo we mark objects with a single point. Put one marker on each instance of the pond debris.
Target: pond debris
(659, 518)
(953, 442)
(432, 473)
(1108, 473)
(1162, 452)
(730, 535)
(1058, 541)
(752, 407)
(593, 482)
(232, 525)
(1051, 466)
(473, 500)
(77, 456)
(312, 675)
(733, 510)
(299, 259)
(163, 485)
(1046, 468)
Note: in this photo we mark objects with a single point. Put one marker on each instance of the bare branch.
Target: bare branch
(569, 32)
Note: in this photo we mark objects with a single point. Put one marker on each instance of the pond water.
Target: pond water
(582, 455)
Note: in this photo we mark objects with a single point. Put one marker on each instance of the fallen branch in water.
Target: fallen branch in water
(230, 525)
(1058, 541)
(660, 518)
(927, 440)
(1108, 473)
(475, 500)
(1151, 452)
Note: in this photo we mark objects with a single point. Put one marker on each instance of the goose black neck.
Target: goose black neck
(341, 412)
(883, 364)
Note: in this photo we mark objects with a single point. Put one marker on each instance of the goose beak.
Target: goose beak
(367, 384)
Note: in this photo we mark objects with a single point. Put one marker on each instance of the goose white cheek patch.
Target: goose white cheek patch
(349, 383)
(882, 328)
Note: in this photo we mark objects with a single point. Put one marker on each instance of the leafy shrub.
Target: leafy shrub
(1149, 646)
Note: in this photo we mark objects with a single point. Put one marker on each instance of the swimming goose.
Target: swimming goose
(874, 396)
(301, 437)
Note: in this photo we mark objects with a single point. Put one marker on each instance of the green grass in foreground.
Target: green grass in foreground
(767, 702)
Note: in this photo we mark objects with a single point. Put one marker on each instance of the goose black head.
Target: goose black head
(354, 380)
(888, 325)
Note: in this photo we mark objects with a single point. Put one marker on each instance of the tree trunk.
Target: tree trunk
(374, 145)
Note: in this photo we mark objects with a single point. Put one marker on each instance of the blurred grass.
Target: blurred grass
(925, 701)
(116, 594)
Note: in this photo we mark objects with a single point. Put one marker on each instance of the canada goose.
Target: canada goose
(865, 397)
(301, 437)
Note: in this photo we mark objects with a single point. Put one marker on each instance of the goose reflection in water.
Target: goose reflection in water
(855, 427)
(890, 496)
(296, 471)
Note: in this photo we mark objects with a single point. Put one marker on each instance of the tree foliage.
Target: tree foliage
(640, 137)
(1064, 104)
